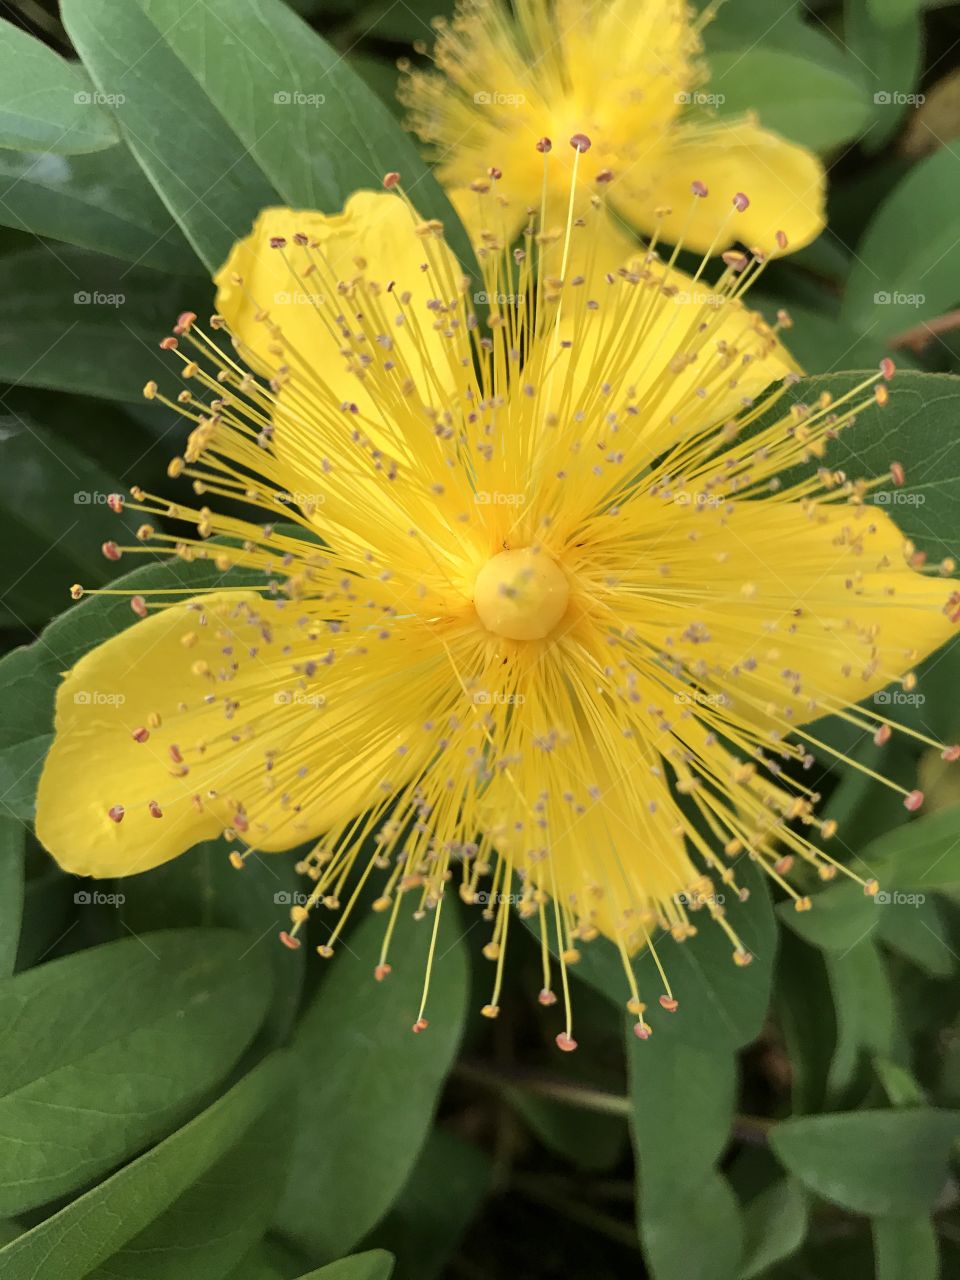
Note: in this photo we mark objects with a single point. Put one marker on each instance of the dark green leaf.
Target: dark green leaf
(720, 1004)
(774, 1226)
(109, 1049)
(12, 848)
(99, 201)
(875, 1162)
(71, 1243)
(809, 102)
(890, 57)
(909, 862)
(435, 1208)
(203, 889)
(865, 1012)
(906, 1249)
(683, 1100)
(202, 172)
(370, 1086)
(907, 267)
(697, 1237)
(918, 931)
(46, 103)
(213, 1223)
(78, 321)
(374, 1265)
(53, 520)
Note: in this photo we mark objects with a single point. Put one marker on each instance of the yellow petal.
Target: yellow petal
(811, 605)
(235, 736)
(784, 183)
(270, 282)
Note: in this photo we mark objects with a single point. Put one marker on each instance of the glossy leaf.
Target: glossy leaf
(369, 1086)
(200, 169)
(91, 1229)
(45, 102)
(309, 121)
(98, 201)
(123, 1039)
(907, 267)
(883, 1163)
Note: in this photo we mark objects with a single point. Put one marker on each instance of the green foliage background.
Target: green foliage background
(181, 1099)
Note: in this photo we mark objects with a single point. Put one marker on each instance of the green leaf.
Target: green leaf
(45, 102)
(99, 201)
(907, 267)
(71, 1243)
(53, 520)
(819, 342)
(883, 1163)
(370, 1086)
(697, 1237)
(12, 850)
(899, 1084)
(435, 1208)
(164, 1017)
(203, 889)
(865, 1012)
(918, 931)
(774, 1226)
(890, 56)
(906, 1249)
(210, 1227)
(911, 861)
(720, 1004)
(891, 12)
(809, 102)
(78, 321)
(916, 429)
(225, 126)
(374, 1265)
(683, 1100)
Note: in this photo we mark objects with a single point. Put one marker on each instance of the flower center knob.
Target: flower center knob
(521, 594)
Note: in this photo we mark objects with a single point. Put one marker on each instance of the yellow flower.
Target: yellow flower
(533, 595)
(629, 74)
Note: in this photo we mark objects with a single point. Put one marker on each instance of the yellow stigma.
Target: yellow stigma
(521, 594)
